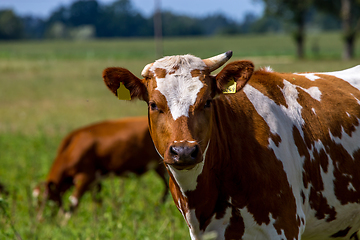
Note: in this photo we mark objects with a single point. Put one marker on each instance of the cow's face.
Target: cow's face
(179, 91)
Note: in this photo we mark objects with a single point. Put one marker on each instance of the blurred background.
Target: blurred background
(52, 54)
(79, 20)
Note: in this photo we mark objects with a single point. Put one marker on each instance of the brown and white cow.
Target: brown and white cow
(279, 158)
(111, 147)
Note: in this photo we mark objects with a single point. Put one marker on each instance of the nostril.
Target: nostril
(195, 152)
(173, 151)
(184, 154)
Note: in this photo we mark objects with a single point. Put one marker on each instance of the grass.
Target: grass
(49, 88)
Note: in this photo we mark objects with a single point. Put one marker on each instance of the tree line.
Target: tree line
(89, 18)
(346, 12)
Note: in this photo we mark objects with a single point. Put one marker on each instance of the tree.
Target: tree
(348, 11)
(61, 15)
(121, 19)
(11, 26)
(34, 27)
(180, 25)
(83, 12)
(294, 11)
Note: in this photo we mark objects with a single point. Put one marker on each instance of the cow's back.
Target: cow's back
(309, 124)
(126, 145)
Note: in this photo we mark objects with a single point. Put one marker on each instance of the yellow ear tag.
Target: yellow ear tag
(231, 87)
(123, 93)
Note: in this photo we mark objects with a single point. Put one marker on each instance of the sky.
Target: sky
(233, 9)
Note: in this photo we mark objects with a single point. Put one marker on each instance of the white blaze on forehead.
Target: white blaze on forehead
(179, 87)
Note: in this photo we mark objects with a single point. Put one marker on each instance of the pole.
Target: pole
(158, 30)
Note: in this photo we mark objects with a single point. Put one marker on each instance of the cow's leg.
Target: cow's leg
(82, 182)
(95, 193)
(354, 236)
(52, 192)
(163, 175)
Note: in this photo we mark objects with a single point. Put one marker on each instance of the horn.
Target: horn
(214, 63)
(145, 71)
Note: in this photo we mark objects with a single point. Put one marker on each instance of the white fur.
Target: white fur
(179, 88)
(255, 231)
(350, 143)
(73, 200)
(36, 193)
(314, 92)
(281, 121)
(350, 75)
(187, 179)
(355, 98)
(267, 69)
(310, 76)
(214, 231)
(351, 187)
(219, 226)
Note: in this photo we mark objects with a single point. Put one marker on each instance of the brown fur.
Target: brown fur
(118, 147)
(242, 167)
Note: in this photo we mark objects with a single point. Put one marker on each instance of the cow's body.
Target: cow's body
(111, 147)
(279, 159)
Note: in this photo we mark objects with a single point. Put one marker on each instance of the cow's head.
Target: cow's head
(179, 91)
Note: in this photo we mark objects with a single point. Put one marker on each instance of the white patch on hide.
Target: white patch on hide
(310, 76)
(350, 75)
(314, 92)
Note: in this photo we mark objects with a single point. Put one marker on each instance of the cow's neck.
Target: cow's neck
(200, 193)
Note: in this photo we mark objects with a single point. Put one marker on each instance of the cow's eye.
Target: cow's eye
(153, 106)
(208, 104)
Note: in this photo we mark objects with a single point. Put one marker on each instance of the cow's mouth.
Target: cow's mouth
(178, 166)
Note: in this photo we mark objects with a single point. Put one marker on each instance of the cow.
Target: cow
(89, 153)
(254, 154)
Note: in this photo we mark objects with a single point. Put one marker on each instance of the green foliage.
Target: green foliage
(130, 208)
(83, 19)
(10, 25)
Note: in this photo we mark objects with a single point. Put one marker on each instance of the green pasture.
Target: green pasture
(49, 88)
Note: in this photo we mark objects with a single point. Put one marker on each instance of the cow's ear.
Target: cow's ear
(124, 84)
(234, 76)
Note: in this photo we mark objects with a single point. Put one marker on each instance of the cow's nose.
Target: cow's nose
(184, 154)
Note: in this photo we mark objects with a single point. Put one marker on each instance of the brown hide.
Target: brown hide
(110, 147)
(278, 159)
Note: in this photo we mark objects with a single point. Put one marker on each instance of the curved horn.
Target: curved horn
(145, 71)
(214, 63)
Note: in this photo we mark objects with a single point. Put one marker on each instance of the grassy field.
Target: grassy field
(49, 88)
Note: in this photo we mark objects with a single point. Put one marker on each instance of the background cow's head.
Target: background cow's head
(179, 91)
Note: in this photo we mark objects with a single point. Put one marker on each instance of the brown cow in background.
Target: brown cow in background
(86, 154)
